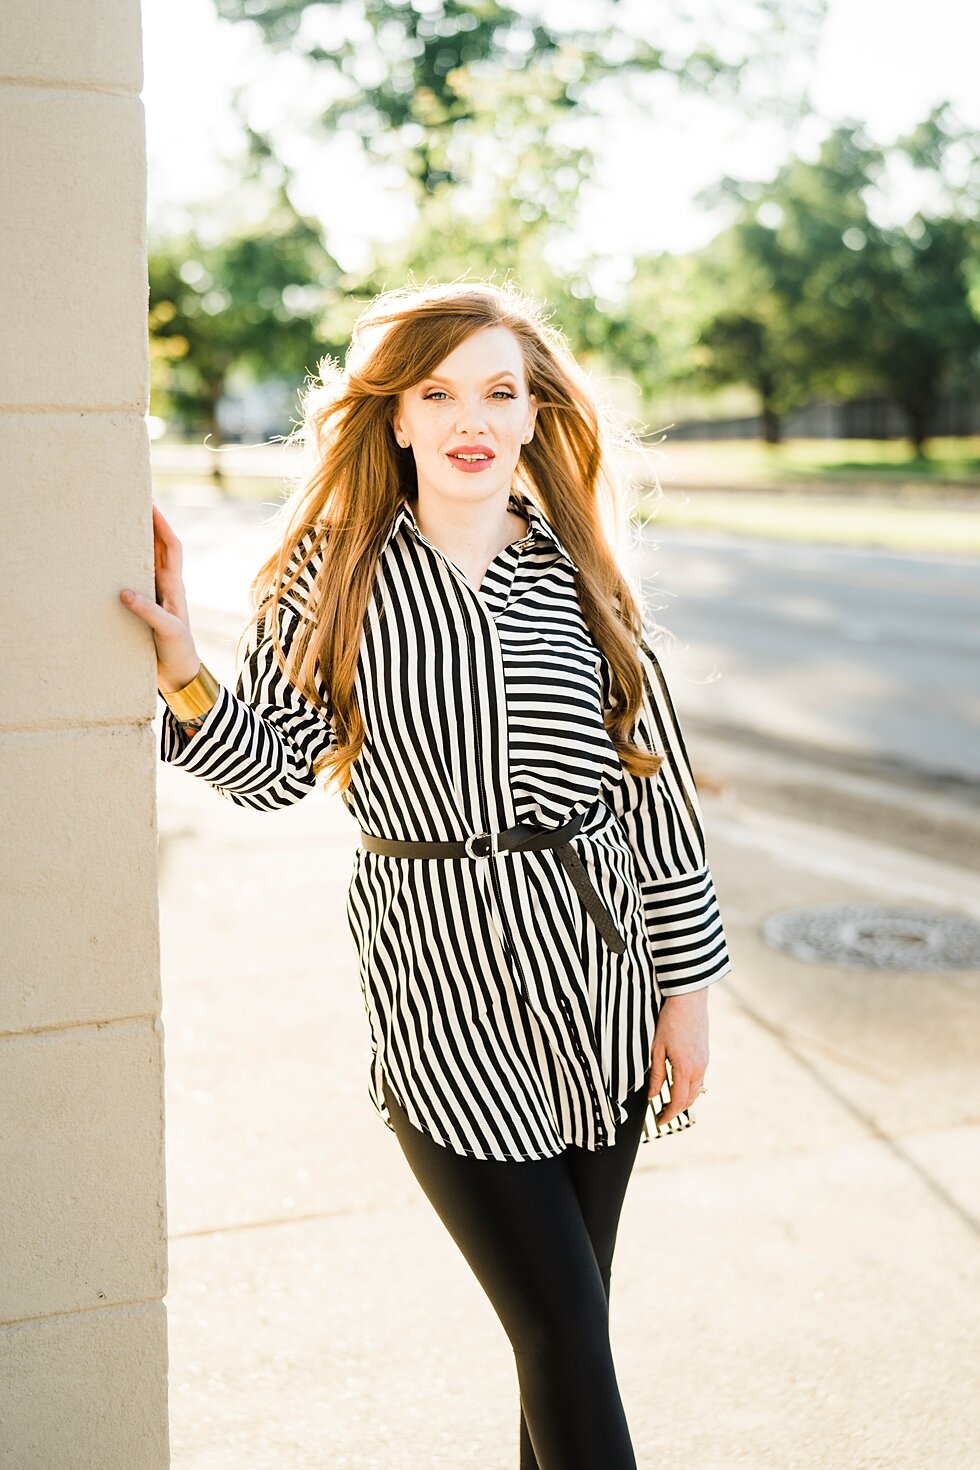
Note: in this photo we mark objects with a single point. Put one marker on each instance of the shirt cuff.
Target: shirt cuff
(194, 753)
(685, 933)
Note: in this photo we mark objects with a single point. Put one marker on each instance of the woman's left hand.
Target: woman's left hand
(682, 1038)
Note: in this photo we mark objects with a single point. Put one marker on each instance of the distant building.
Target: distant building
(259, 411)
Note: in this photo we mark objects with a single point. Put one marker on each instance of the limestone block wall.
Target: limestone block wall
(83, 1345)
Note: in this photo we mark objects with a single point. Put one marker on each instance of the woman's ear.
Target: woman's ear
(529, 431)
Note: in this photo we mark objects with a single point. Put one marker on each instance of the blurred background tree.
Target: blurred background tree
(807, 295)
(253, 303)
(426, 86)
(784, 291)
(488, 117)
(925, 335)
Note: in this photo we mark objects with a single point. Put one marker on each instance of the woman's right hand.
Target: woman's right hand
(177, 657)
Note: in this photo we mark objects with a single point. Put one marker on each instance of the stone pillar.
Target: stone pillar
(83, 1343)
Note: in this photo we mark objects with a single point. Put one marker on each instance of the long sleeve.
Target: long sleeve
(662, 816)
(258, 742)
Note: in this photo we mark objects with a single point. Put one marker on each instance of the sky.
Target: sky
(885, 65)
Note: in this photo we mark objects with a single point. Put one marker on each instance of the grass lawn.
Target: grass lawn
(833, 463)
(789, 516)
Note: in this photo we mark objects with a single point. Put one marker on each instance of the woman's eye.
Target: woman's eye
(440, 393)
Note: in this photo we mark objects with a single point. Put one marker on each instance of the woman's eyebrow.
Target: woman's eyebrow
(504, 373)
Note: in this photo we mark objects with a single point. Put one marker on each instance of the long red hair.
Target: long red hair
(356, 476)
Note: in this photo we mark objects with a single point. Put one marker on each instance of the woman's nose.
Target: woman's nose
(471, 419)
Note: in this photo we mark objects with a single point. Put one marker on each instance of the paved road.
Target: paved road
(871, 653)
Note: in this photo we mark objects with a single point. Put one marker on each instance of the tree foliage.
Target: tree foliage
(252, 302)
(420, 82)
(478, 108)
(807, 293)
(925, 334)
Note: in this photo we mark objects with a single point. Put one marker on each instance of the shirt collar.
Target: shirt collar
(519, 501)
(526, 506)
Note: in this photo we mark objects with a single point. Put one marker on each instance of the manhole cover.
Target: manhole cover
(885, 938)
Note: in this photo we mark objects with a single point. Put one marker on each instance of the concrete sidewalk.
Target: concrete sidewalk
(796, 1278)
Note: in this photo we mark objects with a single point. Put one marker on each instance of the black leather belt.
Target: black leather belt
(525, 836)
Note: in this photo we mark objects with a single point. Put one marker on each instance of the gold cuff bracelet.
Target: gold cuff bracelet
(196, 698)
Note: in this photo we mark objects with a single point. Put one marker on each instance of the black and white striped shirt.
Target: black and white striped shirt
(498, 1015)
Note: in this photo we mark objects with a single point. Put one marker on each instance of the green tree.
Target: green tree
(479, 108)
(807, 294)
(421, 83)
(786, 291)
(926, 330)
(491, 114)
(925, 336)
(252, 302)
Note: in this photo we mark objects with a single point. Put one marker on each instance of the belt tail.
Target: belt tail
(585, 889)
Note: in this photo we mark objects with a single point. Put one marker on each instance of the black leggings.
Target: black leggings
(539, 1236)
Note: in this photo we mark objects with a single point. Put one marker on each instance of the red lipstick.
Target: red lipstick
(482, 457)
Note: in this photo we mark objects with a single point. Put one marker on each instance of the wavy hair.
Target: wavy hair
(355, 476)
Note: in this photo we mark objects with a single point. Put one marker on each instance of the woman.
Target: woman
(443, 629)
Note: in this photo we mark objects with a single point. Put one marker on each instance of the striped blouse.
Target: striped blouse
(499, 1017)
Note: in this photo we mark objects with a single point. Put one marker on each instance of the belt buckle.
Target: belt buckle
(491, 837)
